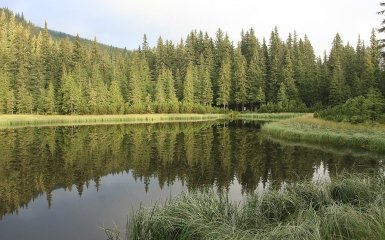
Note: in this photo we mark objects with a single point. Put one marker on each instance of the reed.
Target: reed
(268, 116)
(309, 210)
(368, 137)
(53, 120)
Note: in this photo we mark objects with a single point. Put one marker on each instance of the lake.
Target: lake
(68, 182)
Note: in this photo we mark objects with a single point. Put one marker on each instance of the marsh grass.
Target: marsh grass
(369, 137)
(7, 121)
(268, 116)
(309, 210)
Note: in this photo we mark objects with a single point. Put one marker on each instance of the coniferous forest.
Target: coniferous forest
(42, 72)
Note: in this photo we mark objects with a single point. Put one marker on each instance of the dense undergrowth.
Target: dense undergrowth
(368, 108)
(349, 207)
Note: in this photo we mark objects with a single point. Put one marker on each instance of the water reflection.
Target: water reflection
(36, 161)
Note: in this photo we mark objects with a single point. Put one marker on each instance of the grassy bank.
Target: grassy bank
(370, 137)
(52, 120)
(351, 207)
(268, 116)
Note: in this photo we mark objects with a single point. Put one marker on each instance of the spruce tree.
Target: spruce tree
(24, 100)
(255, 78)
(10, 102)
(49, 100)
(207, 93)
(261, 97)
(368, 75)
(337, 87)
(306, 83)
(275, 57)
(382, 26)
(71, 95)
(288, 77)
(382, 51)
(169, 86)
(240, 81)
(136, 88)
(188, 86)
(46, 56)
(375, 58)
(160, 95)
(202, 86)
(339, 91)
(224, 83)
(116, 101)
(77, 53)
(179, 85)
(282, 98)
(5, 90)
(102, 99)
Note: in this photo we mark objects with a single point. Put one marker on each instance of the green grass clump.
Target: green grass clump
(310, 210)
(368, 137)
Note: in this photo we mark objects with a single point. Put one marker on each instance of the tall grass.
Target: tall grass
(306, 128)
(20, 120)
(268, 116)
(45, 120)
(351, 207)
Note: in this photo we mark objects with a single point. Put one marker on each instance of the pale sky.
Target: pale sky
(122, 23)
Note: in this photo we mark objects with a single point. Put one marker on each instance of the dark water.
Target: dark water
(68, 182)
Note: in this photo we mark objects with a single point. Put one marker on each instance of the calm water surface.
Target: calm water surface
(68, 182)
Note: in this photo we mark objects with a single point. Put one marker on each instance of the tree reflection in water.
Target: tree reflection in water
(36, 161)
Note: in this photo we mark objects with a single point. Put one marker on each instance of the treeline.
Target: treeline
(46, 75)
(369, 104)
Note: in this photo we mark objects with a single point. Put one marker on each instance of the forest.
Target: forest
(44, 73)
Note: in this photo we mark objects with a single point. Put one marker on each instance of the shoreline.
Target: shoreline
(11, 121)
(307, 129)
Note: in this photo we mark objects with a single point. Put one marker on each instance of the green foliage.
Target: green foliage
(166, 79)
(255, 79)
(116, 100)
(188, 88)
(240, 80)
(71, 95)
(139, 80)
(288, 106)
(7, 98)
(357, 110)
(224, 83)
(48, 100)
(207, 92)
(260, 98)
(288, 78)
(282, 98)
(24, 100)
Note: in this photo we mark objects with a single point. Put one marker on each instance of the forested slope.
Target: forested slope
(46, 74)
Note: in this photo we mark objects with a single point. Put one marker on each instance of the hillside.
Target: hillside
(57, 35)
